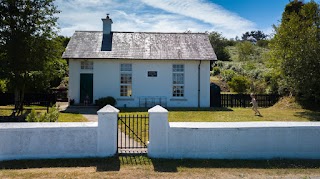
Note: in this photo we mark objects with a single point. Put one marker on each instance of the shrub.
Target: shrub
(33, 116)
(263, 43)
(51, 116)
(216, 71)
(247, 51)
(220, 63)
(227, 75)
(237, 68)
(101, 102)
(239, 84)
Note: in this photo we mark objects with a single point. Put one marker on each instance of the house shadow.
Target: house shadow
(171, 165)
(80, 109)
(309, 115)
(101, 164)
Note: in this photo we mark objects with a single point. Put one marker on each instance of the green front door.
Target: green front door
(86, 87)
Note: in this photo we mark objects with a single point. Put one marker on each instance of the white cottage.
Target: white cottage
(140, 69)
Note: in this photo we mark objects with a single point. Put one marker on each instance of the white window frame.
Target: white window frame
(178, 81)
(125, 80)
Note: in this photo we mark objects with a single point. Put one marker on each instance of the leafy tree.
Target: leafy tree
(258, 35)
(295, 50)
(245, 50)
(63, 40)
(218, 44)
(27, 48)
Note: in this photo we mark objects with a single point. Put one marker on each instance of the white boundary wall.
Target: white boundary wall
(217, 140)
(231, 140)
(60, 140)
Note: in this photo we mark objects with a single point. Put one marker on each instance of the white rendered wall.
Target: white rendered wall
(60, 140)
(47, 140)
(245, 140)
(74, 80)
(106, 81)
(232, 140)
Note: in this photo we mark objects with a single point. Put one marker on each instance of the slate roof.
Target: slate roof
(141, 46)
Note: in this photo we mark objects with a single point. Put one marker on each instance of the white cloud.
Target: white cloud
(150, 15)
(206, 12)
(155, 23)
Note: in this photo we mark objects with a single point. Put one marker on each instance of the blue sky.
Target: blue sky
(229, 17)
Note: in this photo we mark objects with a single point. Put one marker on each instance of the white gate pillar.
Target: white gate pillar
(158, 132)
(107, 131)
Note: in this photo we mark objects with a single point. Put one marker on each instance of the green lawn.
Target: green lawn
(70, 117)
(233, 114)
(243, 114)
(199, 115)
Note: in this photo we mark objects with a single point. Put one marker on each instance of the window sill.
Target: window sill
(178, 99)
(125, 99)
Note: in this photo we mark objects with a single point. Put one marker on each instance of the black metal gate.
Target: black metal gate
(133, 133)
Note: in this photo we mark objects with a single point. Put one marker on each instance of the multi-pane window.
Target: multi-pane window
(86, 65)
(125, 79)
(178, 80)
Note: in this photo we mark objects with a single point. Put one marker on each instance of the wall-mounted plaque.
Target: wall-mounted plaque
(152, 73)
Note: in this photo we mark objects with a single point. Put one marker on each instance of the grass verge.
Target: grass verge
(144, 167)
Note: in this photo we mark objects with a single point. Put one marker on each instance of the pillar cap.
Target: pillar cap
(158, 109)
(108, 109)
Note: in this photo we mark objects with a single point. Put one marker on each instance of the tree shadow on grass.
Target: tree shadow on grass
(101, 164)
(309, 115)
(13, 118)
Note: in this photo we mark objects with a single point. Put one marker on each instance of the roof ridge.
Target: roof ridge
(162, 32)
(147, 32)
(87, 31)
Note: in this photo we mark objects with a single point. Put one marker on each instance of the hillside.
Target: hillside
(255, 75)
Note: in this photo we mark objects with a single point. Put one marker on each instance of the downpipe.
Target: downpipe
(199, 84)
